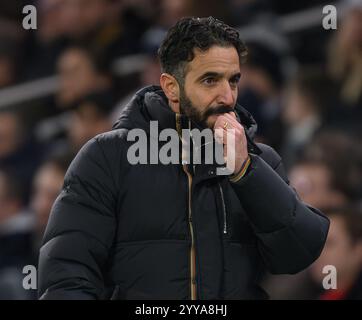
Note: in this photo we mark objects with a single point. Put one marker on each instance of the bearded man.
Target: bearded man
(179, 231)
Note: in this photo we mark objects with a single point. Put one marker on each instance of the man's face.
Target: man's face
(211, 85)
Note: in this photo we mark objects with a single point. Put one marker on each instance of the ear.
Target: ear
(171, 89)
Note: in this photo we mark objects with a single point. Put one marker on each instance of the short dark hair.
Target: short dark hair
(196, 33)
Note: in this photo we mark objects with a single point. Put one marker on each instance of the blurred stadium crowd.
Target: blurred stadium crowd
(67, 81)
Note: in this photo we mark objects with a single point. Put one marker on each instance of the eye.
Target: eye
(234, 81)
(209, 81)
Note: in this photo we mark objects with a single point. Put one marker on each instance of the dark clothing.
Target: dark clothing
(353, 293)
(136, 229)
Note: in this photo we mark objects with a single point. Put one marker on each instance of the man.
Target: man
(178, 231)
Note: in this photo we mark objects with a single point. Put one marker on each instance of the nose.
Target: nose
(226, 95)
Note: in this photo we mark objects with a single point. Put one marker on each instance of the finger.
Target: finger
(219, 135)
(235, 124)
(220, 122)
(232, 113)
(232, 119)
(223, 136)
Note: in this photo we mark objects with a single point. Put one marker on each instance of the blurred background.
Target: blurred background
(67, 81)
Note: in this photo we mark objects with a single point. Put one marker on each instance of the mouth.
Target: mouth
(218, 111)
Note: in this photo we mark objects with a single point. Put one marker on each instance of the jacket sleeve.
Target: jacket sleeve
(80, 230)
(291, 235)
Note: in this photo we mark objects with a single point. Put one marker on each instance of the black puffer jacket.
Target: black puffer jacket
(167, 232)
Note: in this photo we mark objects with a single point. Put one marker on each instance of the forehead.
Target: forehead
(223, 60)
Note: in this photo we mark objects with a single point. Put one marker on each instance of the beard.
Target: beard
(195, 115)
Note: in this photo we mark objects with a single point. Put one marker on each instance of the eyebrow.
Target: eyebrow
(211, 74)
(236, 75)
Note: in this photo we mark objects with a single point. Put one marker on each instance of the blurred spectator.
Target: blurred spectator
(343, 250)
(173, 10)
(91, 117)
(47, 185)
(7, 63)
(12, 9)
(82, 17)
(81, 73)
(260, 90)
(150, 75)
(329, 174)
(151, 72)
(42, 48)
(16, 228)
(10, 134)
(110, 28)
(10, 15)
(244, 12)
(324, 186)
(17, 149)
(345, 56)
(316, 185)
(308, 97)
(88, 116)
(338, 148)
(169, 13)
(51, 25)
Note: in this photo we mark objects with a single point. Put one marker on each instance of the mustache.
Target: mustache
(218, 110)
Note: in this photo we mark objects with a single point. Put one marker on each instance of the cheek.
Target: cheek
(202, 99)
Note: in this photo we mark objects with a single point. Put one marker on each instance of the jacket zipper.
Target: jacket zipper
(223, 207)
(193, 287)
(192, 251)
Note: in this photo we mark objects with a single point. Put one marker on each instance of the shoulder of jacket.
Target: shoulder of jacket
(116, 138)
(112, 135)
(269, 155)
(107, 145)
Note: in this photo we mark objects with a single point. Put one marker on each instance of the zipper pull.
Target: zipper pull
(224, 208)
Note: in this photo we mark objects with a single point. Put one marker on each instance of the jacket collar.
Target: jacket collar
(156, 103)
(151, 104)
